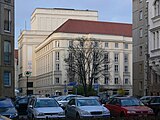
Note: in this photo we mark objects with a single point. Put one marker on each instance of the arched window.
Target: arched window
(157, 8)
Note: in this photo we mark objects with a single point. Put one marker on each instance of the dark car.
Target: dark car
(146, 99)
(154, 103)
(21, 105)
(128, 107)
(7, 108)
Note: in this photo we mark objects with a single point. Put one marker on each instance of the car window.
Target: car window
(88, 102)
(155, 100)
(113, 101)
(46, 103)
(23, 100)
(131, 102)
(72, 102)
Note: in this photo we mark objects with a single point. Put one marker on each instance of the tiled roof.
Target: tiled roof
(95, 27)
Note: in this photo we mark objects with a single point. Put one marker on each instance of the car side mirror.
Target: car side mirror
(16, 106)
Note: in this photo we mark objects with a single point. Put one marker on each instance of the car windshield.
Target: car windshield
(131, 102)
(6, 103)
(87, 102)
(60, 98)
(46, 103)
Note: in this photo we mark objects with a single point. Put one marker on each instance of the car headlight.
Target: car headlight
(14, 115)
(40, 114)
(150, 111)
(105, 112)
(82, 112)
(61, 113)
(131, 112)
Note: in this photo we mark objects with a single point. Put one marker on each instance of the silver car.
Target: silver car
(86, 107)
(44, 108)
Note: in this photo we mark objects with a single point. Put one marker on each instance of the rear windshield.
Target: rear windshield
(131, 102)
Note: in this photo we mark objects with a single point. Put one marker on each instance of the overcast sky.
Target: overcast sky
(108, 10)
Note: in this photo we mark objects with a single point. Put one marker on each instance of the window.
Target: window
(126, 46)
(70, 43)
(140, 85)
(56, 43)
(116, 45)
(9, 1)
(106, 57)
(140, 15)
(126, 58)
(95, 80)
(106, 44)
(57, 67)
(140, 50)
(95, 44)
(116, 68)
(157, 8)
(116, 80)
(106, 68)
(7, 52)
(30, 84)
(7, 78)
(116, 57)
(157, 39)
(106, 80)
(7, 20)
(57, 56)
(141, 67)
(125, 68)
(126, 81)
(57, 80)
(140, 32)
(154, 40)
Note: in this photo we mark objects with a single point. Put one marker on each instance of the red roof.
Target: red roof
(95, 27)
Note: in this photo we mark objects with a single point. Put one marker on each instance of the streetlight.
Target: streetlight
(27, 74)
(65, 87)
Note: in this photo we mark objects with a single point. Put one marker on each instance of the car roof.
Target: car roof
(125, 97)
(87, 98)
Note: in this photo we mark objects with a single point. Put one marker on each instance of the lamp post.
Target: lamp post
(27, 74)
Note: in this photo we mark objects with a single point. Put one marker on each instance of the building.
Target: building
(43, 22)
(154, 46)
(116, 38)
(140, 48)
(7, 48)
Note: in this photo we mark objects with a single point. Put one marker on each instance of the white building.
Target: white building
(154, 45)
(43, 48)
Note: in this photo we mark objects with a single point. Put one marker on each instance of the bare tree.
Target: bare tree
(87, 60)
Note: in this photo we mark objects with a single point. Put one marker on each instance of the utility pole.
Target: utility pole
(27, 74)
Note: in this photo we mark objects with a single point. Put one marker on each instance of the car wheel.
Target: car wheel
(122, 116)
(77, 116)
(158, 113)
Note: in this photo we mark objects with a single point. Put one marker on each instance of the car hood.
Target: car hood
(7, 111)
(93, 108)
(49, 109)
(137, 108)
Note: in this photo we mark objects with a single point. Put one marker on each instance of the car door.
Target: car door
(71, 108)
(29, 108)
(155, 104)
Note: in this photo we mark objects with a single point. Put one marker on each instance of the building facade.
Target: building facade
(115, 38)
(43, 22)
(7, 48)
(140, 48)
(154, 45)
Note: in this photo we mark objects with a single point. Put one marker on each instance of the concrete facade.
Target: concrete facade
(7, 48)
(140, 51)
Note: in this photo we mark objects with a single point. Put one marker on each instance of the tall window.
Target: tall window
(57, 67)
(116, 57)
(157, 39)
(116, 45)
(157, 8)
(140, 15)
(126, 58)
(106, 67)
(126, 46)
(57, 56)
(57, 80)
(154, 40)
(57, 43)
(140, 32)
(7, 52)
(70, 43)
(106, 44)
(96, 44)
(140, 50)
(116, 68)
(125, 68)
(7, 78)
(7, 20)
(106, 57)
(126, 81)
(116, 80)
(106, 80)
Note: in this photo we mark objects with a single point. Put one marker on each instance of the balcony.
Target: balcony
(126, 73)
(57, 72)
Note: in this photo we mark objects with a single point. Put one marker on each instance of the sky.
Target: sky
(108, 10)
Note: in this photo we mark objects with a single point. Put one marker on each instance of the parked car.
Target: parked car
(86, 107)
(63, 100)
(21, 105)
(4, 118)
(146, 99)
(128, 107)
(154, 103)
(7, 108)
(44, 108)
